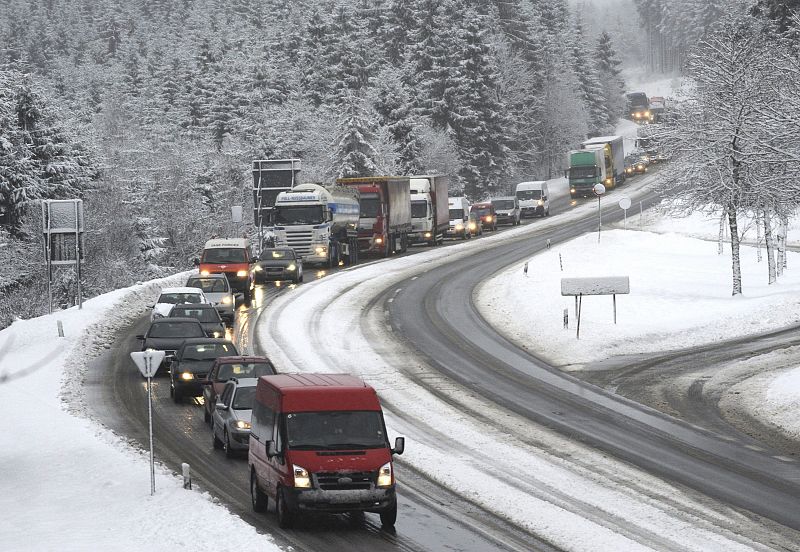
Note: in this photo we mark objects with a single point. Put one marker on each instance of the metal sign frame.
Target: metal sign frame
(609, 285)
(57, 224)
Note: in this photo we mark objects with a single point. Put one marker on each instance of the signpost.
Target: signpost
(625, 204)
(148, 362)
(599, 190)
(62, 229)
(578, 287)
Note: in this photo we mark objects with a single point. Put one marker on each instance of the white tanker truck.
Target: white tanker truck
(319, 222)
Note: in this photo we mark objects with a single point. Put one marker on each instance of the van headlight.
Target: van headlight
(226, 300)
(241, 424)
(257, 268)
(241, 274)
(291, 267)
(385, 478)
(301, 478)
(204, 273)
(541, 202)
(187, 376)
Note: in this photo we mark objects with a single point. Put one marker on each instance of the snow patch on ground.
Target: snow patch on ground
(69, 483)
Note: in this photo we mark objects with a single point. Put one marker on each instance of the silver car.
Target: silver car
(218, 292)
(230, 420)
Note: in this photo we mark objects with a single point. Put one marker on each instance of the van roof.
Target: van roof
(217, 243)
(319, 392)
(532, 185)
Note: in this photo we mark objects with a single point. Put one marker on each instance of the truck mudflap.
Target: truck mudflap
(318, 500)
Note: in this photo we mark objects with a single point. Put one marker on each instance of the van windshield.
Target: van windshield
(503, 204)
(335, 430)
(209, 285)
(456, 214)
(225, 255)
(523, 195)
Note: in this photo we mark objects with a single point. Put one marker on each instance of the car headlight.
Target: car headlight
(257, 268)
(572, 190)
(291, 267)
(489, 218)
(301, 478)
(646, 113)
(187, 376)
(204, 273)
(226, 301)
(459, 227)
(216, 334)
(541, 202)
(608, 181)
(385, 475)
(241, 274)
(379, 240)
(241, 424)
(472, 226)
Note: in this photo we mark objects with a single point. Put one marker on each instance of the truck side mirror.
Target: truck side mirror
(566, 173)
(399, 445)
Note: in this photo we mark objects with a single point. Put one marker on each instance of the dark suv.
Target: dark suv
(168, 334)
(192, 363)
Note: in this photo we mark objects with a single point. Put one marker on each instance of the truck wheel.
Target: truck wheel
(258, 498)
(285, 515)
(389, 516)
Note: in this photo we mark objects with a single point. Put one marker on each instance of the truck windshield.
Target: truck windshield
(456, 214)
(419, 209)
(523, 195)
(335, 430)
(299, 214)
(503, 204)
(370, 206)
(224, 255)
(582, 172)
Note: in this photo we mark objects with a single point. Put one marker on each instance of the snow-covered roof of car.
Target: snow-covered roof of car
(182, 290)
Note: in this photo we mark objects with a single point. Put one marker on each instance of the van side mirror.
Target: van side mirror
(221, 406)
(196, 262)
(399, 445)
(272, 451)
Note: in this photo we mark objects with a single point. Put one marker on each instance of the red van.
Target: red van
(318, 443)
(230, 257)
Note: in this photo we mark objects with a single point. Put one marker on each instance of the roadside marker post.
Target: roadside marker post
(148, 363)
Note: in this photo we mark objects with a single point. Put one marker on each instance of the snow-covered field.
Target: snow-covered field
(68, 483)
(680, 295)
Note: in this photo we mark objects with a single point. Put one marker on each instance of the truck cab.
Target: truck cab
(429, 209)
(318, 443)
(320, 223)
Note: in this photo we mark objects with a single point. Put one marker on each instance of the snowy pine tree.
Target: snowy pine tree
(354, 155)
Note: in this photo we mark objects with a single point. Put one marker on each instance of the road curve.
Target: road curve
(479, 358)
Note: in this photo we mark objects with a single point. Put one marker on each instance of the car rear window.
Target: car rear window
(177, 298)
(244, 370)
(203, 315)
(176, 329)
(209, 285)
(208, 351)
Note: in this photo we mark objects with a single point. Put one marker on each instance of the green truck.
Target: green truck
(587, 168)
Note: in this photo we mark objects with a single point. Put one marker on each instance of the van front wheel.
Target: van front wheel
(258, 498)
(389, 516)
(285, 514)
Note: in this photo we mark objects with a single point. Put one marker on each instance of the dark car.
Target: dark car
(486, 213)
(227, 368)
(192, 363)
(168, 334)
(278, 264)
(206, 314)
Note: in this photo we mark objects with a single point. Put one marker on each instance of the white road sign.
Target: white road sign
(148, 361)
(625, 203)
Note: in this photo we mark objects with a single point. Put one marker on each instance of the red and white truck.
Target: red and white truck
(385, 213)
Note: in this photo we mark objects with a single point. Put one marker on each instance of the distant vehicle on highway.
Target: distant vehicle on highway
(218, 292)
(193, 360)
(168, 334)
(507, 210)
(474, 225)
(459, 218)
(318, 443)
(278, 264)
(230, 420)
(227, 368)
(485, 211)
(169, 297)
(204, 313)
(534, 198)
